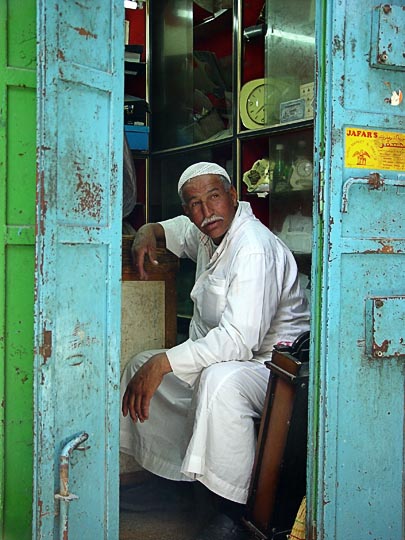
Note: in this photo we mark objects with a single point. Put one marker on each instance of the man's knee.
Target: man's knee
(222, 381)
(234, 385)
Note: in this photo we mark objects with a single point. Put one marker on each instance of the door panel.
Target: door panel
(78, 268)
(370, 404)
(357, 393)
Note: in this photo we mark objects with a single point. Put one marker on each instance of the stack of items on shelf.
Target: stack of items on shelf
(133, 64)
(135, 108)
(212, 99)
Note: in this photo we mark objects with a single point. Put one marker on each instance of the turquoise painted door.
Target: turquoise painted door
(356, 467)
(78, 268)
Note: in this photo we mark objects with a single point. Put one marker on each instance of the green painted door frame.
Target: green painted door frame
(17, 222)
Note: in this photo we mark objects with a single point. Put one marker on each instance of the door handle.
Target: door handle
(373, 181)
(64, 496)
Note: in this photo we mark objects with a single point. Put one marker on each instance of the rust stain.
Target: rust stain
(61, 56)
(46, 348)
(379, 350)
(40, 507)
(375, 181)
(89, 197)
(42, 202)
(385, 249)
(84, 32)
(313, 531)
(382, 57)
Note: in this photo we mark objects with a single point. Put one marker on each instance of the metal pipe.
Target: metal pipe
(64, 496)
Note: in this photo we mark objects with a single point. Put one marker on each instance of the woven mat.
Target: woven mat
(298, 530)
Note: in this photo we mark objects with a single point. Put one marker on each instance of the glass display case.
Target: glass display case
(277, 52)
(191, 72)
(275, 124)
(232, 82)
(289, 61)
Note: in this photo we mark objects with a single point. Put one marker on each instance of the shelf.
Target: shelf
(184, 316)
(283, 194)
(195, 146)
(272, 130)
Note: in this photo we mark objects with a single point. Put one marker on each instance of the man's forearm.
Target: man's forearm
(154, 229)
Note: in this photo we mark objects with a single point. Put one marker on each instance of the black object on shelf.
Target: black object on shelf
(133, 52)
(135, 110)
(134, 68)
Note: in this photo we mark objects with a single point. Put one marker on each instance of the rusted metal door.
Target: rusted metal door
(356, 487)
(77, 308)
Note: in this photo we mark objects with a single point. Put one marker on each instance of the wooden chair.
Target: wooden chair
(279, 472)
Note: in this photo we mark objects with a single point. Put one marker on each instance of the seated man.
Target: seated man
(189, 411)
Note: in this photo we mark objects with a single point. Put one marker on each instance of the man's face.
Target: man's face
(209, 206)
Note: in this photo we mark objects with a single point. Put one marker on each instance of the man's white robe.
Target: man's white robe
(247, 298)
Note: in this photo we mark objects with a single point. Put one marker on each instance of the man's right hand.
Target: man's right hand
(144, 245)
(143, 385)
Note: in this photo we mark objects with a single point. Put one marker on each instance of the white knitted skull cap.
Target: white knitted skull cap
(198, 169)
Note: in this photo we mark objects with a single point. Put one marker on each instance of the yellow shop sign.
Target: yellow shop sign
(371, 149)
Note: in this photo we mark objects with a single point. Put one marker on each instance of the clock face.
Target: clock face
(255, 105)
(252, 110)
(304, 168)
(302, 173)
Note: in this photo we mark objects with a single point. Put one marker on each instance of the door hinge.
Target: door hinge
(46, 348)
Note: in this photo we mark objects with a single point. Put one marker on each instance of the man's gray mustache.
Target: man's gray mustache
(208, 220)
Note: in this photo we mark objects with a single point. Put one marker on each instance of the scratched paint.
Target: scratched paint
(357, 468)
(77, 340)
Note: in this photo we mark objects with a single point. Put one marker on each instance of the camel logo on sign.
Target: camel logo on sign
(362, 156)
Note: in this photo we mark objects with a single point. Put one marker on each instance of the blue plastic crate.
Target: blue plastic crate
(138, 137)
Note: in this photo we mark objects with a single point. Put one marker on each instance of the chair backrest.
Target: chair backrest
(299, 348)
(279, 473)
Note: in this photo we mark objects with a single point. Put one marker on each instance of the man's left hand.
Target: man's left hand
(143, 385)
